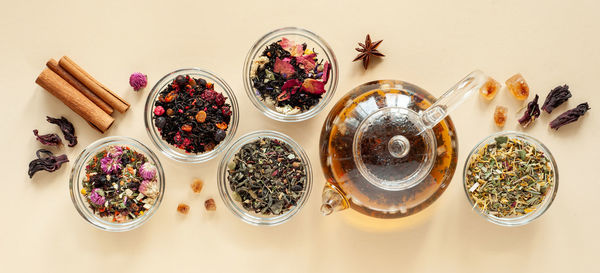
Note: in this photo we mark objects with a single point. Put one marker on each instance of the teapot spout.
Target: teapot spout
(333, 200)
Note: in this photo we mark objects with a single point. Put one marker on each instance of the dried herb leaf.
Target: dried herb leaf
(556, 97)
(569, 116)
(46, 161)
(531, 113)
(47, 139)
(66, 127)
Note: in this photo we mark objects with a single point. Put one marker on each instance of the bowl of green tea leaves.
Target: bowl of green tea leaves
(510, 178)
(265, 178)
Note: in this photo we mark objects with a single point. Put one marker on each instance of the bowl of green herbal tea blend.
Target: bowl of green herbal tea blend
(290, 74)
(510, 178)
(117, 184)
(265, 178)
(191, 115)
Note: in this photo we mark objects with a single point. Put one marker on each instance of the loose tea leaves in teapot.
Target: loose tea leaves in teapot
(267, 177)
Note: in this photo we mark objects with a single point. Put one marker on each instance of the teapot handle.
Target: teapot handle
(453, 98)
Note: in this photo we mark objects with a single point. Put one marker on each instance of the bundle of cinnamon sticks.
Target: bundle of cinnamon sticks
(85, 95)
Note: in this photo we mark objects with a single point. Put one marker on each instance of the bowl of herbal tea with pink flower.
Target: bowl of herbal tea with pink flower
(290, 74)
(117, 183)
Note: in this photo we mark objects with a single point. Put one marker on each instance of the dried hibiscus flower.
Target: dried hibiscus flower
(47, 139)
(66, 127)
(531, 113)
(569, 116)
(556, 97)
(46, 161)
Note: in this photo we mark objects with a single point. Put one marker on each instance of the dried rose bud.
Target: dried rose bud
(47, 139)
(197, 185)
(518, 87)
(500, 116)
(490, 89)
(569, 116)
(556, 97)
(210, 205)
(183, 208)
(531, 113)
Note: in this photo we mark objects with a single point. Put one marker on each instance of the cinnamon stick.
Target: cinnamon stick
(74, 99)
(99, 89)
(53, 65)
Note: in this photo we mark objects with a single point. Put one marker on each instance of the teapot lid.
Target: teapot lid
(393, 149)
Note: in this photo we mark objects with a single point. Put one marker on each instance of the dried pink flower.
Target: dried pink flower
(138, 81)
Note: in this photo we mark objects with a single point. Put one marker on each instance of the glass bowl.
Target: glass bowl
(78, 173)
(179, 154)
(548, 198)
(301, 36)
(227, 194)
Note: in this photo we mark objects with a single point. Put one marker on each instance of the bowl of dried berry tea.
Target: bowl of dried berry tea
(191, 115)
(117, 184)
(265, 178)
(290, 74)
(510, 178)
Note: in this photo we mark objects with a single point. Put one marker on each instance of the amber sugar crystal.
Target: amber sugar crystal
(518, 87)
(197, 185)
(500, 116)
(490, 89)
(183, 208)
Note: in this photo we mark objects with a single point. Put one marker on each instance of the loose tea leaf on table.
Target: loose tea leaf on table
(556, 97)
(66, 127)
(46, 161)
(531, 113)
(47, 139)
(569, 116)
(267, 177)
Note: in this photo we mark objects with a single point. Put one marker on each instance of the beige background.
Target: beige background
(429, 43)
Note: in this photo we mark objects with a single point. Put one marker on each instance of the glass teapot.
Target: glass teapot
(388, 148)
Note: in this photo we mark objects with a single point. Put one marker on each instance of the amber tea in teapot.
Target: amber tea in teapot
(388, 148)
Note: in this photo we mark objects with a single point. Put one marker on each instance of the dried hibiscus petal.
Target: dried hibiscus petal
(556, 97)
(66, 127)
(284, 68)
(314, 87)
(46, 161)
(569, 116)
(48, 139)
(531, 113)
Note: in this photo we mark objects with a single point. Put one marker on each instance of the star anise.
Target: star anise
(367, 50)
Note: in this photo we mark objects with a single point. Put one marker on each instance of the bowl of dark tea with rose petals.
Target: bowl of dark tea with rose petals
(290, 74)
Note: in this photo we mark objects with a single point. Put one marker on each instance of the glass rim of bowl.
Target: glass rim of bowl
(260, 44)
(243, 214)
(541, 208)
(78, 169)
(173, 152)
